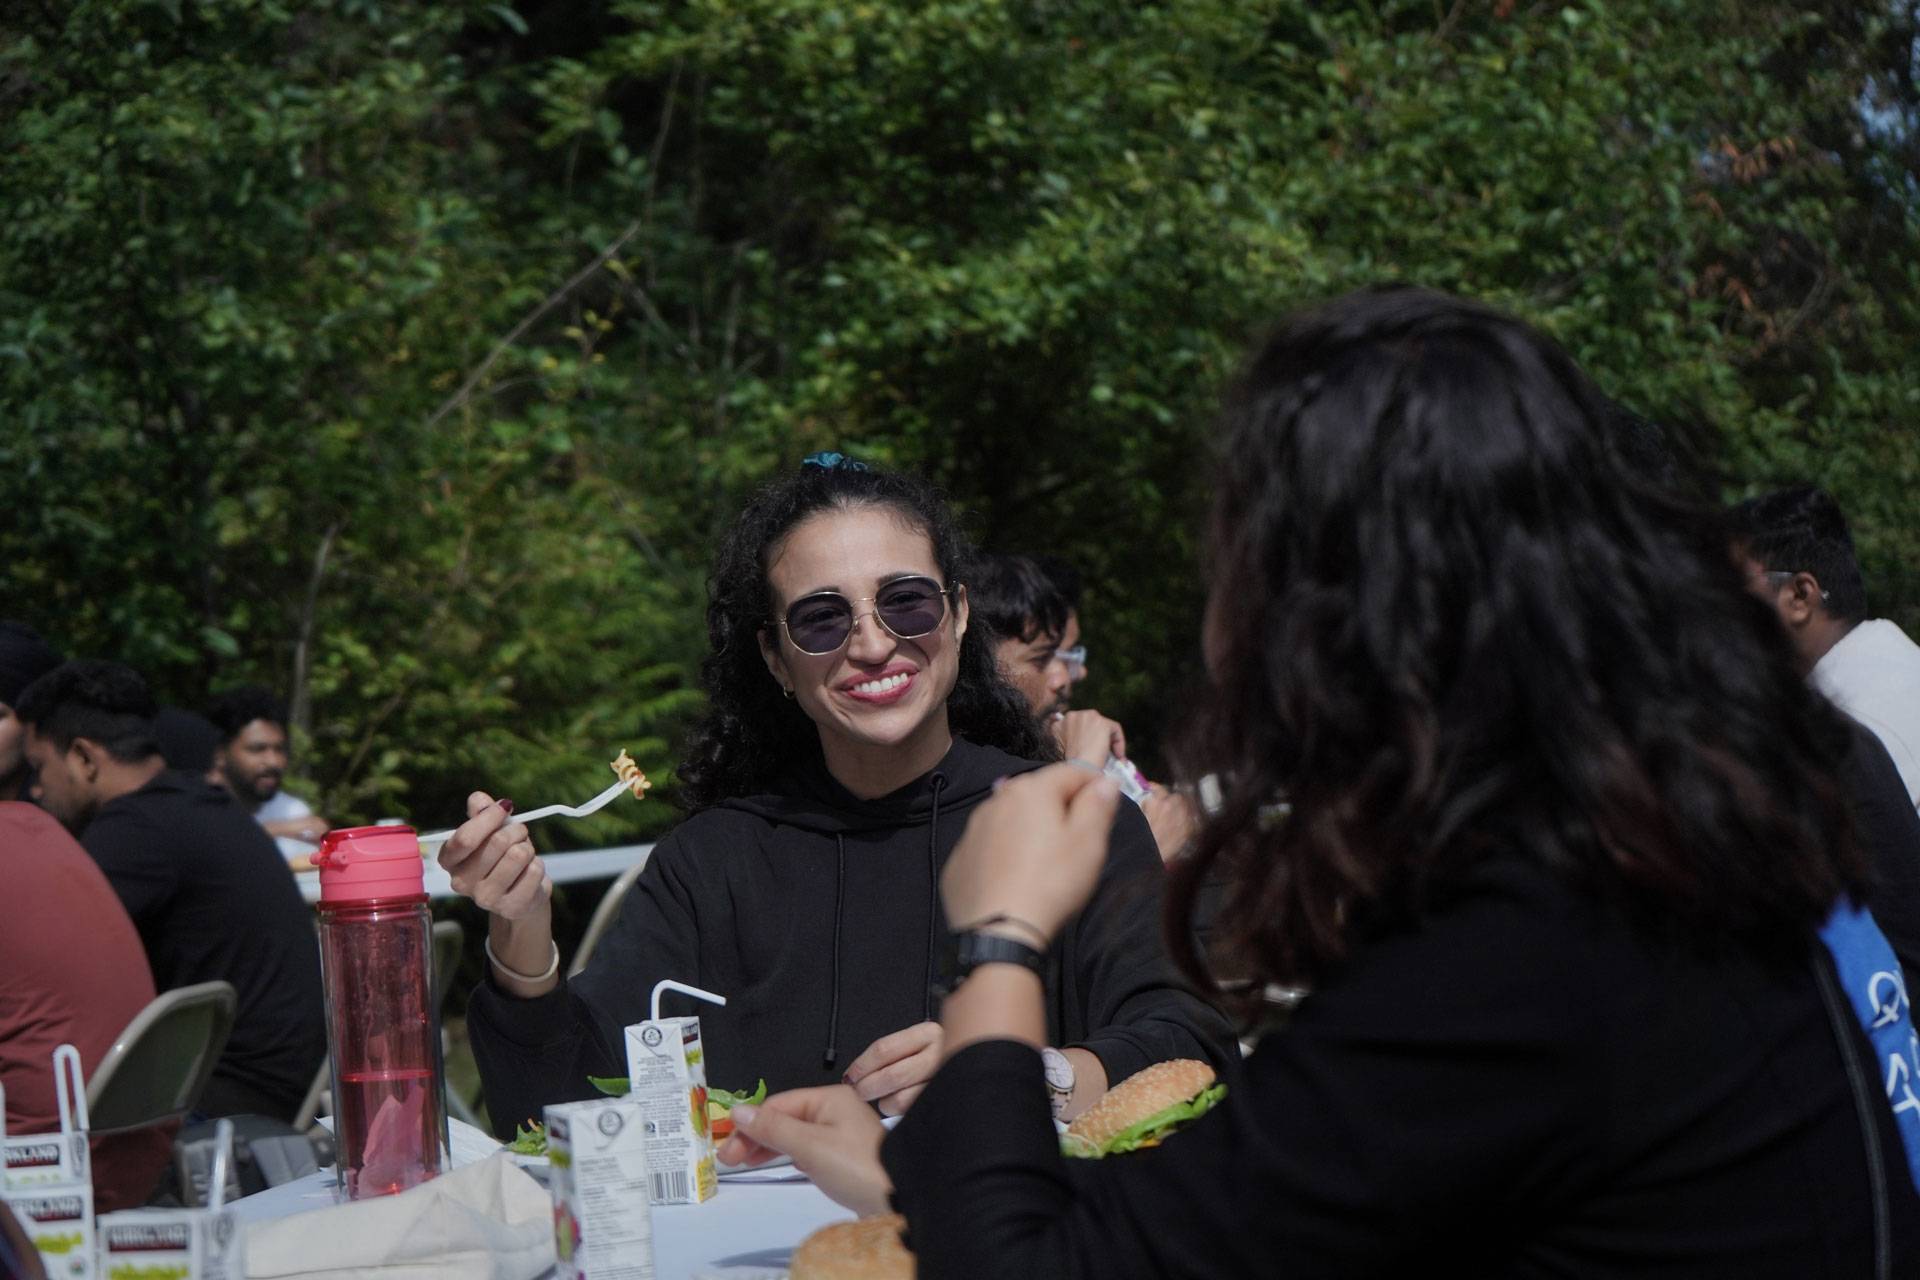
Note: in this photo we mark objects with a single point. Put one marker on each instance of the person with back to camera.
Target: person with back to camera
(854, 720)
(1564, 850)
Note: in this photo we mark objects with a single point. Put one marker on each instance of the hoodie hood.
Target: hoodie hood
(810, 798)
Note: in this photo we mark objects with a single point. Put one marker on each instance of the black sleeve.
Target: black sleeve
(1136, 1010)
(1888, 828)
(141, 874)
(1440, 1086)
(534, 1052)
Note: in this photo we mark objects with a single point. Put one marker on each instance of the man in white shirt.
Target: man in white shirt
(251, 762)
(1797, 544)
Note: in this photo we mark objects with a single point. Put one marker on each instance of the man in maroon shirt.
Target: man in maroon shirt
(72, 971)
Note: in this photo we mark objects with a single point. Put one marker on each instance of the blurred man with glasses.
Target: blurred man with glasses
(1032, 604)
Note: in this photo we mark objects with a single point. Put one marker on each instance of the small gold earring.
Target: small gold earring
(786, 690)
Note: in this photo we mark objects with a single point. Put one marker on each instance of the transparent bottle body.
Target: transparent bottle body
(383, 1032)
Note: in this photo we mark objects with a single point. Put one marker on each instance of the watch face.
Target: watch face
(1059, 1070)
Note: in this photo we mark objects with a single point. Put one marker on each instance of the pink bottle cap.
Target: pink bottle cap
(368, 864)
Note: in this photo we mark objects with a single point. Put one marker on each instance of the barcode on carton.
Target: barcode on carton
(670, 1188)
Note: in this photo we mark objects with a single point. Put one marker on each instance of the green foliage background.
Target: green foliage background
(408, 356)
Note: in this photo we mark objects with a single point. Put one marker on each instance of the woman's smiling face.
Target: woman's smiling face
(876, 692)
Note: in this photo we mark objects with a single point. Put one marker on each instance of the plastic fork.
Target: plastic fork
(594, 805)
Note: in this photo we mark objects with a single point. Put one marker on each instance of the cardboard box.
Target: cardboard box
(602, 1217)
(47, 1178)
(667, 1069)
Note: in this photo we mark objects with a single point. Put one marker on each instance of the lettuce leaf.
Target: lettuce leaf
(1148, 1132)
(729, 1098)
(529, 1139)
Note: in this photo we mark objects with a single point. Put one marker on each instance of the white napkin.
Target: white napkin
(486, 1220)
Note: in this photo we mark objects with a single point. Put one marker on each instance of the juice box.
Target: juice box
(668, 1071)
(602, 1219)
(47, 1179)
(176, 1244)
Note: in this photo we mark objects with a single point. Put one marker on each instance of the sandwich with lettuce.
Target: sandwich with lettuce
(1143, 1109)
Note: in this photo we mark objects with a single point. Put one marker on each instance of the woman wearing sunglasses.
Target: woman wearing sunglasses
(854, 721)
(1565, 845)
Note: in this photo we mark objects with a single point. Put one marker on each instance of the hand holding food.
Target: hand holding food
(1143, 1109)
(895, 1068)
(490, 859)
(1032, 852)
(833, 1137)
(1090, 736)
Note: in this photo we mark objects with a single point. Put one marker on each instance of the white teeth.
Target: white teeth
(887, 685)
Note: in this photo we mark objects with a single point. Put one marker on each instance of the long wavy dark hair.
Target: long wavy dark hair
(750, 733)
(1446, 619)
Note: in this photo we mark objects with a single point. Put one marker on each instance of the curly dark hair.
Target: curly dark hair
(749, 733)
(232, 710)
(1447, 619)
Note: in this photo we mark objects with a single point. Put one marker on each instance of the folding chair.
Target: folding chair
(159, 1065)
(604, 915)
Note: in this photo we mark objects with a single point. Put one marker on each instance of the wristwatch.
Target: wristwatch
(1060, 1078)
(969, 950)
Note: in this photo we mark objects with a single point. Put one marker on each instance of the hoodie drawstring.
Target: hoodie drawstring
(939, 781)
(839, 905)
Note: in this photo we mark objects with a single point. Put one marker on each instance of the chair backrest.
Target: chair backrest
(604, 915)
(159, 1065)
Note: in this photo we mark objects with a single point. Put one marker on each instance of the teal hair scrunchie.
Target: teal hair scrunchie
(827, 460)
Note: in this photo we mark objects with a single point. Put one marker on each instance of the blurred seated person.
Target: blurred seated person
(187, 741)
(1036, 626)
(204, 885)
(24, 658)
(250, 760)
(1799, 542)
(72, 971)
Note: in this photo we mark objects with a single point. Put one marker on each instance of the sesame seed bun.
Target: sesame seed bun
(868, 1249)
(1138, 1096)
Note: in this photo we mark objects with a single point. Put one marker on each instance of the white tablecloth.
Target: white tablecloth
(747, 1227)
(565, 868)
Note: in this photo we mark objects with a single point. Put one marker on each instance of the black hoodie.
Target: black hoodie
(816, 914)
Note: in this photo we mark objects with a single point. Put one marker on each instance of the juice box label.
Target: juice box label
(602, 1219)
(45, 1158)
(58, 1221)
(168, 1244)
(667, 1067)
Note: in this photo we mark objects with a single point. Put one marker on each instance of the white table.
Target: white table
(748, 1225)
(565, 868)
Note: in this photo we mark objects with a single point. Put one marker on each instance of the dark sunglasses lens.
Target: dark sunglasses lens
(819, 624)
(911, 607)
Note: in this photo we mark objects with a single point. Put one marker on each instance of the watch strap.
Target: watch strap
(968, 950)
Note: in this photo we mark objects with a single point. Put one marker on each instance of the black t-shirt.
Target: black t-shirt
(213, 899)
(1520, 1085)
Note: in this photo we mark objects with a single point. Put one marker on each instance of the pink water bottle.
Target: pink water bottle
(383, 1028)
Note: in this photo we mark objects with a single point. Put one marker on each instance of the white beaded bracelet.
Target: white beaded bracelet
(553, 965)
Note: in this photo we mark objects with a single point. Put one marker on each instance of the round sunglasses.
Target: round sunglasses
(907, 607)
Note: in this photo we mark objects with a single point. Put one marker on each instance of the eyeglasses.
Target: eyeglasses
(1781, 577)
(1076, 660)
(907, 607)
